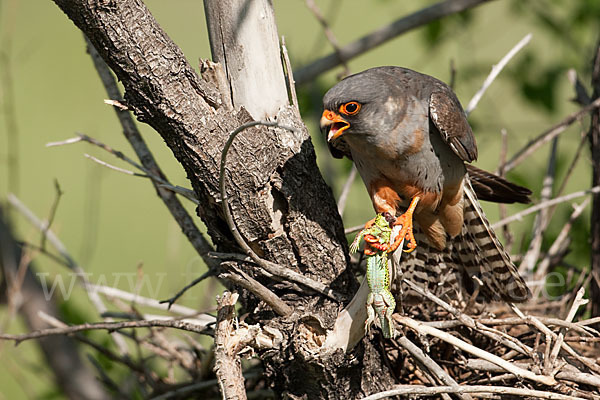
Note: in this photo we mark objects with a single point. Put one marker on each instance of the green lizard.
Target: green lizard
(377, 235)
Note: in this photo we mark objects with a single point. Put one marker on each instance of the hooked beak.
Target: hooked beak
(334, 124)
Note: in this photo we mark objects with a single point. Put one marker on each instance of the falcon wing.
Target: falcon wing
(449, 118)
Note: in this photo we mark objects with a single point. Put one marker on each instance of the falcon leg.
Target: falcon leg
(406, 220)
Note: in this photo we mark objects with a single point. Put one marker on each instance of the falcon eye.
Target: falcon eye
(350, 108)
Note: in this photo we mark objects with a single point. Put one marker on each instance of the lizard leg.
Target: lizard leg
(388, 324)
(406, 220)
(356, 242)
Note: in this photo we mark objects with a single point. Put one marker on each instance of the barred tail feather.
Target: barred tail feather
(483, 255)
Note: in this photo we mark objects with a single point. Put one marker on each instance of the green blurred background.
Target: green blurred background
(114, 224)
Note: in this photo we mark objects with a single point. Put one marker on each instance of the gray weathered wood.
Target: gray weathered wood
(243, 35)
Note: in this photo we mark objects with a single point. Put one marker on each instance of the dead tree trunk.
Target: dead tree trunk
(279, 201)
(594, 136)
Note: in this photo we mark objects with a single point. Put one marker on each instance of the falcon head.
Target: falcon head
(358, 108)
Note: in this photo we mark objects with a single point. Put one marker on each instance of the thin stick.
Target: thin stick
(353, 229)
(171, 300)
(70, 262)
(469, 348)
(560, 240)
(546, 331)
(147, 173)
(328, 34)
(557, 200)
(145, 301)
(267, 265)
(430, 364)
(508, 237)
(494, 334)
(346, 190)
(382, 35)
(577, 326)
(578, 302)
(549, 134)
(240, 278)
(114, 167)
(53, 210)
(498, 390)
(542, 218)
(109, 326)
(495, 71)
(133, 136)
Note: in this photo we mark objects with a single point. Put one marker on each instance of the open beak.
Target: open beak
(334, 124)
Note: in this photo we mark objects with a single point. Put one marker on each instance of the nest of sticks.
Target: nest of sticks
(536, 350)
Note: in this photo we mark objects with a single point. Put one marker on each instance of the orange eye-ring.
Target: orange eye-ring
(350, 108)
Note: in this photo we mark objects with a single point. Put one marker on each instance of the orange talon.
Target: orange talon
(406, 220)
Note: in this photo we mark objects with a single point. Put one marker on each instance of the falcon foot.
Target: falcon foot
(406, 233)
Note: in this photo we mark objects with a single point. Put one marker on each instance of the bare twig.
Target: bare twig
(472, 389)
(494, 334)
(508, 237)
(114, 167)
(581, 95)
(424, 329)
(554, 249)
(577, 326)
(116, 103)
(157, 180)
(382, 35)
(70, 261)
(549, 134)
(353, 229)
(542, 218)
(568, 374)
(267, 265)
(109, 326)
(594, 140)
(10, 117)
(52, 214)
(145, 301)
(534, 321)
(578, 302)
(346, 190)
(562, 199)
(143, 153)
(571, 168)
(244, 280)
(431, 365)
(171, 300)
(495, 71)
(328, 34)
